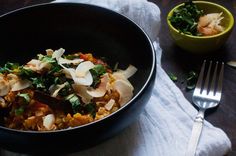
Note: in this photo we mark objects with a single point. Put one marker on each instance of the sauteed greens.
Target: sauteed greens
(191, 20)
(185, 18)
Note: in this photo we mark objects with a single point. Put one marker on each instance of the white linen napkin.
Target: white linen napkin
(164, 128)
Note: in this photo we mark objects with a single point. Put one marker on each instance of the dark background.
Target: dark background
(178, 62)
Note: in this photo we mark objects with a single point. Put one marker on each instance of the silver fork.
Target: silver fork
(205, 96)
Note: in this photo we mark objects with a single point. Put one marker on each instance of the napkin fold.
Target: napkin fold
(164, 127)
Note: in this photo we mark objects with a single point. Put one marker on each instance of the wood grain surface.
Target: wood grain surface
(175, 60)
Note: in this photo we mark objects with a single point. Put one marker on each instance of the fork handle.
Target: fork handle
(196, 132)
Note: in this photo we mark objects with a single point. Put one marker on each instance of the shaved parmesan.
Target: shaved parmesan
(49, 51)
(110, 104)
(130, 71)
(17, 83)
(12, 79)
(209, 24)
(4, 87)
(54, 89)
(58, 53)
(48, 121)
(82, 92)
(127, 73)
(80, 76)
(124, 89)
(66, 61)
(37, 65)
(20, 84)
(121, 76)
(87, 80)
(101, 89)
(83, 68)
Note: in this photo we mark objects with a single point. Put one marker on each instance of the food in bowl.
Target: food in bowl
(190, 40)
(80, 81)
(209, 24)
(191, 20)
(78, 30)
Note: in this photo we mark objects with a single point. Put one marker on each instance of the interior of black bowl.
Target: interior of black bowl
(77, 28)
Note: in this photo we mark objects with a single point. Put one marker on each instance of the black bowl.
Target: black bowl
(77, 27)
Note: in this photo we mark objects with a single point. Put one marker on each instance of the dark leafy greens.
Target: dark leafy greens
(96, 72)
(75, 102)
(173, 77)
(191, 80)
(78, 107)
(91, 109)
(9, 67)
(185, 18)
(25, 96)
(19, 111)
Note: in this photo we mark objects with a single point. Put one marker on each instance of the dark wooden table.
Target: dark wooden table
(175, 60)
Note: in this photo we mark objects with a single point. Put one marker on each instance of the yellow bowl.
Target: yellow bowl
(203, 44)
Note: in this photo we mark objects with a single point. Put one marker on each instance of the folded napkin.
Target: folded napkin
(164, 127)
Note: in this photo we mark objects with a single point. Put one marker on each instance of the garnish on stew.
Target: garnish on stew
(84, 82)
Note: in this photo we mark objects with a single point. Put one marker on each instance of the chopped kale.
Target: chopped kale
(66, 90)
(9, 67)
(46, 58)
(26, 73)
(55, 68)
(191, 80)
(173, 77)
(38, 83)
(25, 96)
(19, 111)
(71, 57)
(75, 102)
(185, 18)
(96, 72)
(99, 69)
(91, 109)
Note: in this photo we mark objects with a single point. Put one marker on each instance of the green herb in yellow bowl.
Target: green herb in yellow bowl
(200, 26)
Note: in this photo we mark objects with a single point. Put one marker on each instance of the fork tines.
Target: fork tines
(214, 75)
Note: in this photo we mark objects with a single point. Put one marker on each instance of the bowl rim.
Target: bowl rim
(134, 98)
(229, 28)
